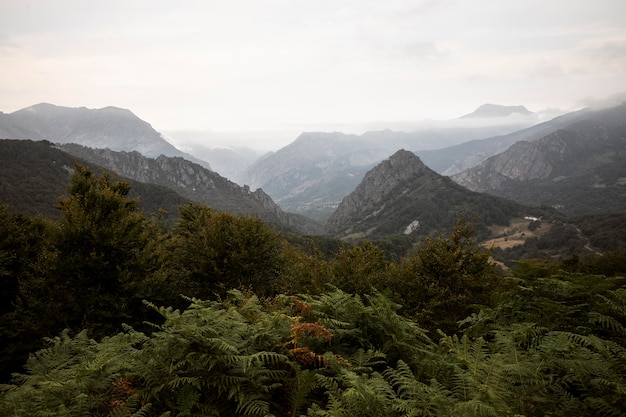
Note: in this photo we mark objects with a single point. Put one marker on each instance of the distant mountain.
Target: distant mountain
(195, 183)
(580, 168)
(495, 110)
(109, 127)
(454, 159)
(402, 195)
(230, 163)
(313, 174)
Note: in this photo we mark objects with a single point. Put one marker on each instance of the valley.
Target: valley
(516, 233)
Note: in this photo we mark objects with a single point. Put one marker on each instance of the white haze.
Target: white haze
(259, 72)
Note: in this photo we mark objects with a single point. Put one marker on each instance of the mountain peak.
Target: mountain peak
(383, 183)
(404, 156)
(497, 110)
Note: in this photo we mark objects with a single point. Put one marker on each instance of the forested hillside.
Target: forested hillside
(34, 174)
(221, 315)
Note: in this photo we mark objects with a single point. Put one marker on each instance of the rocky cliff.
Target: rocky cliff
(401, 195)
(195, 183)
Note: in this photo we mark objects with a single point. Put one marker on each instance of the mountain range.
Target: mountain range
(194, 183)
(312, 174)
(580, 168)
(361, 186)
(402, 195)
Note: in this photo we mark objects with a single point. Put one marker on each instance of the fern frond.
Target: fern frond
(475, 408)
(607, 323)
(254, 407)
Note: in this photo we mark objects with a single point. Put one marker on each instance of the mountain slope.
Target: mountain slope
(313, 174)
(195, 183)
(580, 168)
(402, 195)
(454, 159)
(109, 127)
(34, 174)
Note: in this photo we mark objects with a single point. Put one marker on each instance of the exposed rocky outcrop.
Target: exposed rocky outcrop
(454, 159)
(371, 194)
(195, 183)
(315, 172)
(401, 195)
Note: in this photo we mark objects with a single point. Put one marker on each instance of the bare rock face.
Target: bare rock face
(401, 195)
(371, 195)
(522, 161)
(381, 180)
(193, 182)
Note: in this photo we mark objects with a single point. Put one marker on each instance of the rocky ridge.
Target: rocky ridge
(567, 168)
(195, 183)
(401, 195)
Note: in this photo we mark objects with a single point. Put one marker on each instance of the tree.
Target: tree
(24, 246)
(102, 244)
(360, 269)
(445, 278)
(214, 252)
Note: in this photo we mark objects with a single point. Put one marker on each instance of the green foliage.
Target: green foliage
(337, 354)
(302, 272)
(360, 269)
(216, 251)
(101, 249)
(24, 251)
(448, 275)
(547, 340)
(236, 357)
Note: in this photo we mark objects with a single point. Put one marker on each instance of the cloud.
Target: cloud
(245, 64)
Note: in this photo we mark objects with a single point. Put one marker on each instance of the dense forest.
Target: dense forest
(108, 312)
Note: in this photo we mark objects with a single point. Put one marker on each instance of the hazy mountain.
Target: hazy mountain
(312, 174)
(402, 195)
(495, 110)
(580, 168)
(109, 127)
(195, 183)
(230, 163)
(454, 159)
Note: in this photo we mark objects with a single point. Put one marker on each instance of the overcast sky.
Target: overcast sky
(271, 65)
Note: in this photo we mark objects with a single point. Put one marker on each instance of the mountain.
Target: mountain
(454, 159)
(402, 195)
(109, 127)
(230, 163)
(34, 174)
(311, 175)
(487, 111)
(580, 168)
(195, 183)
